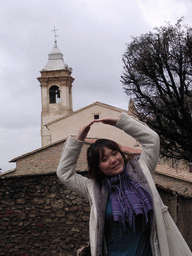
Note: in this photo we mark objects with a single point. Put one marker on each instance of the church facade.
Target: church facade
(58, 119)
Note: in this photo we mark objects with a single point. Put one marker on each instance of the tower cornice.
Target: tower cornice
(55, 73)
(45, 80)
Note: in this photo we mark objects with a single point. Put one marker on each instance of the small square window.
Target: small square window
(96, 116)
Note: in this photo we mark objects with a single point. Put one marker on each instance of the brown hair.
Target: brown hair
(94, 152)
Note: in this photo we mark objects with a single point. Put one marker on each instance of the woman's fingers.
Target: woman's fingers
(83, 131)
(108, 120)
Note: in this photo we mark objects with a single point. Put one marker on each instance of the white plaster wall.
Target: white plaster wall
(71, 124)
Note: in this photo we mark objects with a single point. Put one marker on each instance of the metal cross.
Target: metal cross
(54, 30)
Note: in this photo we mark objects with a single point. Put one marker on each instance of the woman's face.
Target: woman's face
(111, 162)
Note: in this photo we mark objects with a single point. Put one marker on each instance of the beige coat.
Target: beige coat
(168, 240)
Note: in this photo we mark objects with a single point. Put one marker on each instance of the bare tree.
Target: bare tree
(158, 77)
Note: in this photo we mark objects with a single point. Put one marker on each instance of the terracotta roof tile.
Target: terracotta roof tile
(175, 173)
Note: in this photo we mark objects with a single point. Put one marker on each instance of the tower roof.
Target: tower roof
(55, 60)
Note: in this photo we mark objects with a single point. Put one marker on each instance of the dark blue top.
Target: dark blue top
(123, 241)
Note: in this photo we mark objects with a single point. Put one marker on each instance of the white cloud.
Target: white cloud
(159, 11)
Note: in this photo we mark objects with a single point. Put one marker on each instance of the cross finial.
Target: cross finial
(54, 30)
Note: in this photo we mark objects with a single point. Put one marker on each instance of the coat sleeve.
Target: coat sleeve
(66, 168)
(146, 137)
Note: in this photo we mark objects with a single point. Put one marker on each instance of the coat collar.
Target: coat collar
(101, 197)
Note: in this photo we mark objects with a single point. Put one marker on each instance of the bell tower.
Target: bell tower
(56, 91)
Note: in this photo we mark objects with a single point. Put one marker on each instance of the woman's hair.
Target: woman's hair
(95, 152)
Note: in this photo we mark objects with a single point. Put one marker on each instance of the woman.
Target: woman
(127, 216)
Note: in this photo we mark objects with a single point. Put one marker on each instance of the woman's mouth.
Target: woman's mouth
(115, 166)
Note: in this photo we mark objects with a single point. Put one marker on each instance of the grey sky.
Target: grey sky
(92, 37)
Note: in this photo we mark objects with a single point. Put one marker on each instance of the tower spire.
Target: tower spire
(55, 30)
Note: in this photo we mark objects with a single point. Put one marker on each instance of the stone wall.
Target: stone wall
(39, 216)
(180, 209)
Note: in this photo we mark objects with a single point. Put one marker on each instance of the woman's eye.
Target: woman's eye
(104, 160)
(115, 153)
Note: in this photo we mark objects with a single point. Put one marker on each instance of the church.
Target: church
(58, 119)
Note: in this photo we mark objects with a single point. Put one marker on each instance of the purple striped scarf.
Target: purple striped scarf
(128, 199)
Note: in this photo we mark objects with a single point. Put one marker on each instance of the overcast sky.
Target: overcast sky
(92, 35)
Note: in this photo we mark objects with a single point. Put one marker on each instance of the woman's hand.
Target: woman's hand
(83, 131)
(108, 120)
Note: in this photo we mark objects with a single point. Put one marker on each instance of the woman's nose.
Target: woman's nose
(112, 159)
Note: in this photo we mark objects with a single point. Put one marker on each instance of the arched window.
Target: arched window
(54, 94)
